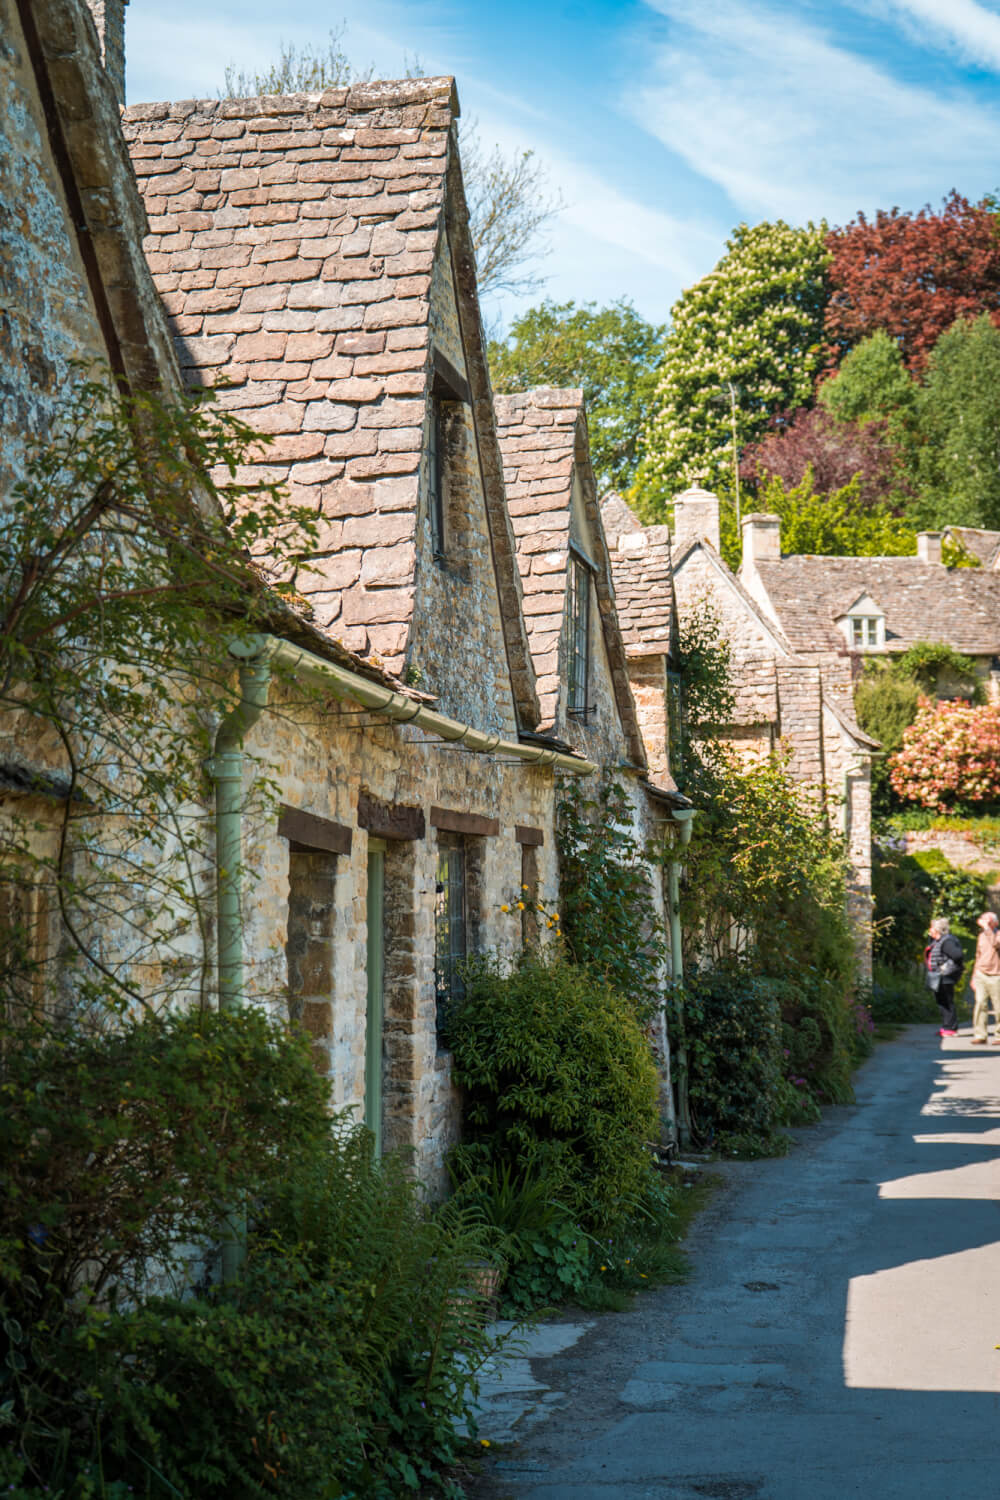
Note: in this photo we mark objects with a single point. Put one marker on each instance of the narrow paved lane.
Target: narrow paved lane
(837, 1337)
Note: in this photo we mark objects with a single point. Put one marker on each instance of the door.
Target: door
(376, 991)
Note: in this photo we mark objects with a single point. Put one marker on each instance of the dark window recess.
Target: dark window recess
(578, 627)
(436, 476)
(450, 926)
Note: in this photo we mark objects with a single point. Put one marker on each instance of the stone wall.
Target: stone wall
(326, 757)
(47, 315)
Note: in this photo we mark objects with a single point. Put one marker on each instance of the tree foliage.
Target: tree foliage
(836, 452)
(955, 444)
(912, 275)
(838, 524)
(872, 382)
(510, 202)
(610, 352)
(755, 321)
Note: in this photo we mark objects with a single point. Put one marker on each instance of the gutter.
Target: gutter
(397, 707)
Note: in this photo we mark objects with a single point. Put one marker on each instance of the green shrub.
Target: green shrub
(558, 1078)
(904, 896)
(901, 996)
(339, 1365)
(729, 1020)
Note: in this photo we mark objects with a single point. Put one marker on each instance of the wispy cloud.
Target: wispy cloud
(790, 122)
(967, 29)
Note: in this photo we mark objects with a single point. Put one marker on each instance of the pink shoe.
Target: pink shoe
(944, 1032)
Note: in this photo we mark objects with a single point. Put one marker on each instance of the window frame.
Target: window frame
(448, 388)
(578, 627)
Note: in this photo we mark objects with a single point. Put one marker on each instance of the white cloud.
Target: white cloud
(970, 30)
(791, 124)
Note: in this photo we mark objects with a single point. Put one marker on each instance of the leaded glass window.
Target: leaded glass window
(578, 629)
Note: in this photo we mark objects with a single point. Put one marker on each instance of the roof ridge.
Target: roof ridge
(374, 95)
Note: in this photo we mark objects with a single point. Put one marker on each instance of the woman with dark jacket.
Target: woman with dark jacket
(945, 960)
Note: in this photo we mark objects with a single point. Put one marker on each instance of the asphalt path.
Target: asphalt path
(838, 1336)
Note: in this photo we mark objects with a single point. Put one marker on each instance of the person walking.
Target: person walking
(986, 980)
(945, 960)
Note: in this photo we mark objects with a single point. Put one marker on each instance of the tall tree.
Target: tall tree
(912, 274)
(610, 352)
(755, 322)
(872, 382)
(510, 203)
(956, 445)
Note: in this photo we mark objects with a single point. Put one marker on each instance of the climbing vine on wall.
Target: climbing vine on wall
(610, 920)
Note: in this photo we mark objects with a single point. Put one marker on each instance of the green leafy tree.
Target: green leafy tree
(836, 525)
(872, 382)
(755, 321)
(956, 444)
(610, 352)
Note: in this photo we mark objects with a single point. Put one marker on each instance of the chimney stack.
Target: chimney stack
(761, 540)
(109, 18)
(929, 546)
(696, 519)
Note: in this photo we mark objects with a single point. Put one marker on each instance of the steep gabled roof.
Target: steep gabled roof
(641, 568)
(293, 239)
(922, 601)
(544, 443)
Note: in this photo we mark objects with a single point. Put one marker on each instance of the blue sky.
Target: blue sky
(662, 123)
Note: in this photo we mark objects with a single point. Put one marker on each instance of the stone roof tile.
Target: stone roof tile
(922, 601)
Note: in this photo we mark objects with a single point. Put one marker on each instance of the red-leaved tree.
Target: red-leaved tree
(836, 450)
(912, 274)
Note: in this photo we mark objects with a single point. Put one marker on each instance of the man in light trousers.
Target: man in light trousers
(986, 980)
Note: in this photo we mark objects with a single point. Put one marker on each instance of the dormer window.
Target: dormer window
(863, 625)
(578, 634)
(449, 391)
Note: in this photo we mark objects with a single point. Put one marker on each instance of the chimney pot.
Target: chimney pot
(929, 546)
(761, 539)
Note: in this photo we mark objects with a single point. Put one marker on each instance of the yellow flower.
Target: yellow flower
(520, 906)
(604, 1268)
(526, 887)
(484, 1442)
(505, 908)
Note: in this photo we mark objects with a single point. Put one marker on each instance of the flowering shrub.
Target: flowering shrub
(950, 755)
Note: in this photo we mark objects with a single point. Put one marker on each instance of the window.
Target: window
(436, 478)
(578, 629)
(450, 923)
(864, 630)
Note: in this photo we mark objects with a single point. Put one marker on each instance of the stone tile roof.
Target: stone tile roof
(293, 240)
(641, 569)
(922, 601)
(982, 544)
(543, 441)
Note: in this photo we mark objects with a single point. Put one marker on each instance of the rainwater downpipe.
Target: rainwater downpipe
(684, 818)
(226, 771)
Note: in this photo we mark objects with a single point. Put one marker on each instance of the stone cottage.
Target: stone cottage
(804, 700)
(574, 632)
(313, 253)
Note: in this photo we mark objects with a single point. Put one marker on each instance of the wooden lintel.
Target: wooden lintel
(461, 822)
(531, 836)
(389, 820)
(307, 831)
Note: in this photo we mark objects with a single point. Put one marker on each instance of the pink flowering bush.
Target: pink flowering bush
(950, 755)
